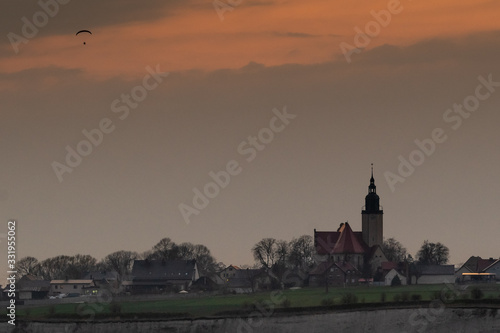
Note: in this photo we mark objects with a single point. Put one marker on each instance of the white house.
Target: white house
(434, 274)
(391, 274)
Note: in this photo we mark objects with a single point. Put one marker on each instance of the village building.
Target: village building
(361, 249)
(30, 287)
(159, 276)
(477, 269)
(75, 287)
(433, 274)
(338, 273)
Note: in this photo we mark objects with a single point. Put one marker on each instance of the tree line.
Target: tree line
(63, 267)
(277, 257)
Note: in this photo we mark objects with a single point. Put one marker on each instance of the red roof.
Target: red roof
(324, 241)
(482, 264)
(388, 265)
(348, 242)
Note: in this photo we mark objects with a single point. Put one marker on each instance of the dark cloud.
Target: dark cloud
(479, 49)
(83, 14)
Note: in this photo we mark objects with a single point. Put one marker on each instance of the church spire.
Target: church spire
(372, 188)
(372, 199)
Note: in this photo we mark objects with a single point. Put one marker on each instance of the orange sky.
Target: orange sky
(196, 38)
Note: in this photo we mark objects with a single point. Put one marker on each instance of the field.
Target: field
(288, 300)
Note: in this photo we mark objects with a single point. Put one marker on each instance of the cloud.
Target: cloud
(88, 14)
(294, 34)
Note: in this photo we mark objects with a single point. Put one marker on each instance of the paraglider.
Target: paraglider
(81, 31)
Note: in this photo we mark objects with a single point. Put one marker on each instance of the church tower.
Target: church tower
(371, 217)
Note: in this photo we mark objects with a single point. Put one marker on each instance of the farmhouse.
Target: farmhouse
(477, 269)
(75, 287)
(31, 287)
(158, 276)
(433, 274)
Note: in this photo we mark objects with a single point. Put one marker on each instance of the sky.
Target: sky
(107, 145)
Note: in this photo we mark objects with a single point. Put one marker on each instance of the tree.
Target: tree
(206, 263)
(27, 266)
(302, 252)
(394, 250)
(433, 254)
(66, 267)
(165, 249)
(264, 252)
(121, 262)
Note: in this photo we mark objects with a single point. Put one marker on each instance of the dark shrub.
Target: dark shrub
(349, 298)
(383, 297)
(416, 297)
(286, 303)
(327, 302)
(115, 307)
(476, 293)
(405, 297)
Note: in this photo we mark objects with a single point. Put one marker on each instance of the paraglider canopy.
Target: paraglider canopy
(81, 31)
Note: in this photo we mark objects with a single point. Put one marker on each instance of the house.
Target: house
(158, 276)
(361, 249)
(433, 274)
(337, 273)
(229, 271)
(477, 269)
(237, 280)
(389, 276)
(494, 268)
(74, 287)
(31, 287)
(389, 270)
(103, 279)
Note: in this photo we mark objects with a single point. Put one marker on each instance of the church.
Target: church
(358, 251)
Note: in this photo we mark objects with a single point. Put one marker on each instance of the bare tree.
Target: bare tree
(264, 252)
(165, 249)
(394, 250)
(27, 266)
(121, 262)
(302, 252)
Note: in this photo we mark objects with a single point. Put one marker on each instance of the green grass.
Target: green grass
(217, 305)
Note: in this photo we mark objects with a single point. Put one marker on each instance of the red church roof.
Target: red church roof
(348, 242)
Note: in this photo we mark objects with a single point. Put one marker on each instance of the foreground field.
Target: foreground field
(220, 305)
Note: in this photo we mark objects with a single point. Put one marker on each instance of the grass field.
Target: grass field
(204, 306)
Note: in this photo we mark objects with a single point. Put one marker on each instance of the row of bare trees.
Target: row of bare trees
(74, 267)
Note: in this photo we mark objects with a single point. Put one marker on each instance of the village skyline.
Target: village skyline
(224, 125)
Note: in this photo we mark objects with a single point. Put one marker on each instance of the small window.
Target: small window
(74, 286)
(55, 287)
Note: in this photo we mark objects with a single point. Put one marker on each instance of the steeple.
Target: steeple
(372, 217)
(372, 188)
(372, 200)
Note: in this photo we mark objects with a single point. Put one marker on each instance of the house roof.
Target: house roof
(388, 265)
(322, 267)
(347, 242)
(436, 269)
(344, 240)
(71, 282)
(101, 275)
(163, 269)
(324, 241)
(31, 283)
(496, 262)
(476, 264)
